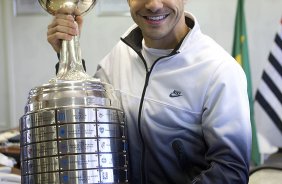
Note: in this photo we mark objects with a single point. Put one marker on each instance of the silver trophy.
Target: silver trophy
(73, 130)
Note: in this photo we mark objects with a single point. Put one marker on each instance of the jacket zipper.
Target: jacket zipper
(148, 73)
(143, 177)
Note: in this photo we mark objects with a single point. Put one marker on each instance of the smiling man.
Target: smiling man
(184, 96)
(162, 22)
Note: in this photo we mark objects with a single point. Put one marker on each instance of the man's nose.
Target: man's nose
(154, 5)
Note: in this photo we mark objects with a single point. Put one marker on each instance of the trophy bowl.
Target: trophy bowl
(52, 6)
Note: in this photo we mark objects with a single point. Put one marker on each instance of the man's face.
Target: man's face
(159, 20)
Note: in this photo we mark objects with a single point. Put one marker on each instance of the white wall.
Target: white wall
(4, 102)
(27, 60)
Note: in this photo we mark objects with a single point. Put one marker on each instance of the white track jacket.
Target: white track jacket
(188, 117)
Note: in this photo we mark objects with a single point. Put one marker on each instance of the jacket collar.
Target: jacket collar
(133, 38)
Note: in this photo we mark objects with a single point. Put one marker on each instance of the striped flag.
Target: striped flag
(240, 53)
(269, 95)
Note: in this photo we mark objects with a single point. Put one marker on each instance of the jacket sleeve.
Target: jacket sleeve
(226, 127)
(101, 74)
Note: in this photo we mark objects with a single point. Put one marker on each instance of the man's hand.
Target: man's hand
(63, 27)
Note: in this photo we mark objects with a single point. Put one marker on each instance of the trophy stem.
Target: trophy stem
(70, 64)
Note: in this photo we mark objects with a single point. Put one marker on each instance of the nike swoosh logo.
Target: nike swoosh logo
(175, 94)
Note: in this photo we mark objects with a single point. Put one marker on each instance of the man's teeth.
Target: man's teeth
(156, 18)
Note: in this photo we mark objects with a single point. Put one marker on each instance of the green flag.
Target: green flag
(240, 53)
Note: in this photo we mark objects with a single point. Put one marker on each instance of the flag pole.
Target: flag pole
(240, 53)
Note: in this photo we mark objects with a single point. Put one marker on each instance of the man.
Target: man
(185, 98)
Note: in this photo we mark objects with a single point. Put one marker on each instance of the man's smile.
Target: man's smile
(155, 18)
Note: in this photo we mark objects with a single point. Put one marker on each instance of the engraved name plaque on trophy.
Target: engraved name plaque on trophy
(73, 130)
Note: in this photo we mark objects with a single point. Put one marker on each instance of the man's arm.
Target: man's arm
(227, 128)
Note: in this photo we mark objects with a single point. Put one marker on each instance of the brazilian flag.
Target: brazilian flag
(240, 53)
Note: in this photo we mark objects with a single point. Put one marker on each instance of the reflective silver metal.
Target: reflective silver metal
(73, 130)
(71, 6)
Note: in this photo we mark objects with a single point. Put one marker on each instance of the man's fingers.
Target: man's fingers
(62, 29)
(58, 36)
(79, 21)
(63, 20)
(71, 10)
(62, 25)
(65, 17)
(56, 40)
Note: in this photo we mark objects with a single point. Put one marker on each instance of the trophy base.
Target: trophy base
(73, 132)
